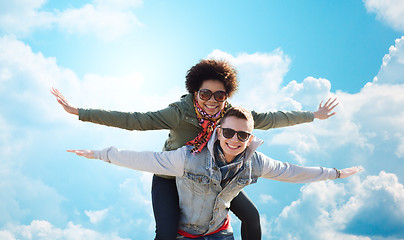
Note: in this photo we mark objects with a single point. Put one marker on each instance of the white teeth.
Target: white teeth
(211, 107)
(232, 146)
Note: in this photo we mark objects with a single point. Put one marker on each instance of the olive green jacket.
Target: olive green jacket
(180, 118)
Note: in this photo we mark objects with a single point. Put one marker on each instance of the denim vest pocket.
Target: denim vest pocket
(197, 183)
(246, 181)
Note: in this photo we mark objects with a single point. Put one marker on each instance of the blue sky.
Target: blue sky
(133, 56)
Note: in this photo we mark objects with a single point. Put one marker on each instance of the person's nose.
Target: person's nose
(234, 138)
(212, 98)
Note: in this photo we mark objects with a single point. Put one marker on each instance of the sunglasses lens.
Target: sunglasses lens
(228, 133)
(220, 96)
(205, 94)
(243, 136)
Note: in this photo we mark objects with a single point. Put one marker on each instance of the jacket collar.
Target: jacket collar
(188, 99)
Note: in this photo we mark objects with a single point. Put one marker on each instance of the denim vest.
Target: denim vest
(204, 203)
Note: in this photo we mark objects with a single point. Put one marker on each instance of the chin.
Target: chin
(211, 111)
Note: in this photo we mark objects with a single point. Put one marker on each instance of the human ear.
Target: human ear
(250, 139)
(219, 133)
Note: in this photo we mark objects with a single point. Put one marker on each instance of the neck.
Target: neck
(228, 158)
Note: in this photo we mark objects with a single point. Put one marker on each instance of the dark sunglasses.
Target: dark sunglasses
(241, 135)
(206, 94)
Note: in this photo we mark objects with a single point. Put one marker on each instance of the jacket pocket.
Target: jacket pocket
(197, 183)
(246, 181)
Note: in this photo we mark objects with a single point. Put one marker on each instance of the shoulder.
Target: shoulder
(185, 103)
(196, 161)
(259, 159)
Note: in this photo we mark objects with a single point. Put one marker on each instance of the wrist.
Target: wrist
(338, 173)
(75, 111)
(315, 114)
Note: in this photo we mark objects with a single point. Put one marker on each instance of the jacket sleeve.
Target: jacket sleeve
(167, 118)
(169, 163)
(265, 121)
(287, 172)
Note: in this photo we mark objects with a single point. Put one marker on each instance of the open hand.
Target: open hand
(350, 171)
(84, 153)
(65, 104)
(323, 112)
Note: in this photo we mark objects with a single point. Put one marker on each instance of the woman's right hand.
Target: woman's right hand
(65, 104)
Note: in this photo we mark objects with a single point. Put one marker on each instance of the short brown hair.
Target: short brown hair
(220, 70)
(239, 112)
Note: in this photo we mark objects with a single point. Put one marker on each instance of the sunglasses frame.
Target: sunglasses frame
(212, 93)
(236, 132)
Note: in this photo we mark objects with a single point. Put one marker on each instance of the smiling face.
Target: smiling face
(233, 146)
(211, 106)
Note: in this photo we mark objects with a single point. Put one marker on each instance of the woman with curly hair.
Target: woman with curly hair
(191, 121)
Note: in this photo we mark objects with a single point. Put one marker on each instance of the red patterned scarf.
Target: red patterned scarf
(208, 123)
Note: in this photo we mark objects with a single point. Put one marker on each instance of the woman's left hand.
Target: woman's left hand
(323, 112)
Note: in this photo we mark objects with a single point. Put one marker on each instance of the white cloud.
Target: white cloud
(266, 227)
(27, 105)
(400, 149)
(265, 198)
(393, 63)
(96, 216)
(28, 77)
(24, 16)
(389, 11)
(138, 190)
(23, 197)
(104, 19)
(261, 76)
(363, 119)
(367, 130)
(369, 209)
(133, 209)
(298, 157)
(119, 4)
(6, 235)
(39, 229)
(98, 20)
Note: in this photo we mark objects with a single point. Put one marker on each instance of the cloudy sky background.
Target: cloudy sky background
(133, 55)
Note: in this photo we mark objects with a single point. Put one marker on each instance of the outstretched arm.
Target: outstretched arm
(167, 163)
(65, 104)
(324, 112)
(168, 118)
(287, 172)
(265, 121)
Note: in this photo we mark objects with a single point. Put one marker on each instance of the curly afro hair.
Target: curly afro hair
(219, 70)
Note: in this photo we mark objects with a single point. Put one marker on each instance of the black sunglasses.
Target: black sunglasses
(241, 135)
(206, 94)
